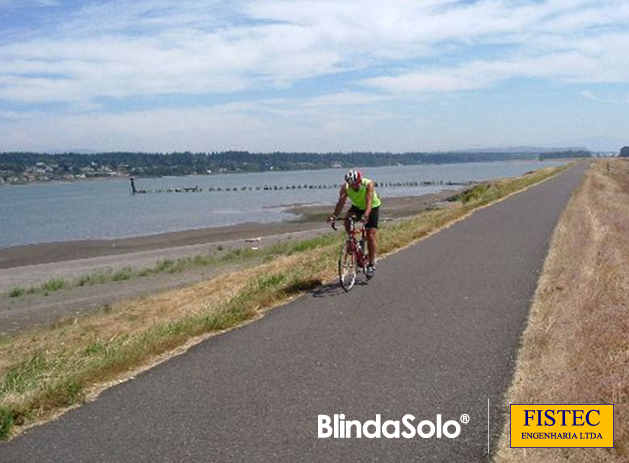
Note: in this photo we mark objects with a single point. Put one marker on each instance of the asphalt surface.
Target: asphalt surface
(435, 332)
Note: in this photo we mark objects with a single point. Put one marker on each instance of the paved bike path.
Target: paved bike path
(436, 332)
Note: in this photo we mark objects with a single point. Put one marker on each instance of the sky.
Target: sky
(313, 76)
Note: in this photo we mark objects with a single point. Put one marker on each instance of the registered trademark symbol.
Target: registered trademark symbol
(465, 419)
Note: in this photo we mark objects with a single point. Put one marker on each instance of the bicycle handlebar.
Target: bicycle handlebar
(350, 217)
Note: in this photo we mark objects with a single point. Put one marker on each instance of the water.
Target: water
(51, 212)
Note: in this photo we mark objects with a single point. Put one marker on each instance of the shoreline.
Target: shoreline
(127, 176)
(307, 217)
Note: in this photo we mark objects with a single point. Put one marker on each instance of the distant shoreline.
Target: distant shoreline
(108, 173)
(68, 182)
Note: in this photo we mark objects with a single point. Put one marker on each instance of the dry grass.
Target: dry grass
(44, 371)
(576, 346)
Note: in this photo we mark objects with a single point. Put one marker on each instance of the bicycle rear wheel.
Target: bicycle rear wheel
(348, 267)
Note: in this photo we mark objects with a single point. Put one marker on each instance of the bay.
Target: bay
(52, 212)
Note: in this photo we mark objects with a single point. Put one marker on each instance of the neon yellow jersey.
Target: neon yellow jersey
(359, 198)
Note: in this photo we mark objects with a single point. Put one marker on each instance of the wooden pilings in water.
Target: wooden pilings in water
(197, 189)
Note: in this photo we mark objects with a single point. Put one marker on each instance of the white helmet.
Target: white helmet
(353, 176)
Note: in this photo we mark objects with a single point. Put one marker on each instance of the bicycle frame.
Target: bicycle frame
(356, 252)
(352, 238)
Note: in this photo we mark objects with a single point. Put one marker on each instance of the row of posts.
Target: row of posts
(197, 189)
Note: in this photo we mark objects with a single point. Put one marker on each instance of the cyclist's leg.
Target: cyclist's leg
(355, 212)
(372, 241)
(372, 235)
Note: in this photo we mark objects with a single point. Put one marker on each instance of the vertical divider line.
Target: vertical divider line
(487, 425)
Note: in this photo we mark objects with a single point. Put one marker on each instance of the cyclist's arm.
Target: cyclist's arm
(341, 202)
(370, 190)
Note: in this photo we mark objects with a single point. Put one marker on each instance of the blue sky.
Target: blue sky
(326, 75)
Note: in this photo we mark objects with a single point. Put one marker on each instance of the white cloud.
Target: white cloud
(121, 49)
(375, 56)
(619, 99)
(159, 130)
(322, 123)
(592, 60)
(344, 99)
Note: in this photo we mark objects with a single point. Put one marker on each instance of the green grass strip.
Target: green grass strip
(182, 264)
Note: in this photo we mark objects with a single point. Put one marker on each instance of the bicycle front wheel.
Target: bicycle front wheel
(347, 267)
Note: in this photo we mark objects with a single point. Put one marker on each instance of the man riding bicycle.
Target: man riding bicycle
(365, 206)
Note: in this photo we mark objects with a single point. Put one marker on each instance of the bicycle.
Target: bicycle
(353, 258)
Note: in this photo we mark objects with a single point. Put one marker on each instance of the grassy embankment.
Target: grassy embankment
(45, 371)
(217, 259)
(575, 349)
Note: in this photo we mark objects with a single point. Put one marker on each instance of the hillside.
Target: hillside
(33, 167)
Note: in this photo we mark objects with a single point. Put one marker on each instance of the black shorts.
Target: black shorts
(373, 217)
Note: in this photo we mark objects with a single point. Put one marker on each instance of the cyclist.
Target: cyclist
(365, 206)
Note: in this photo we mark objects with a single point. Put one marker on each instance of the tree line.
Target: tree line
(188, 163)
